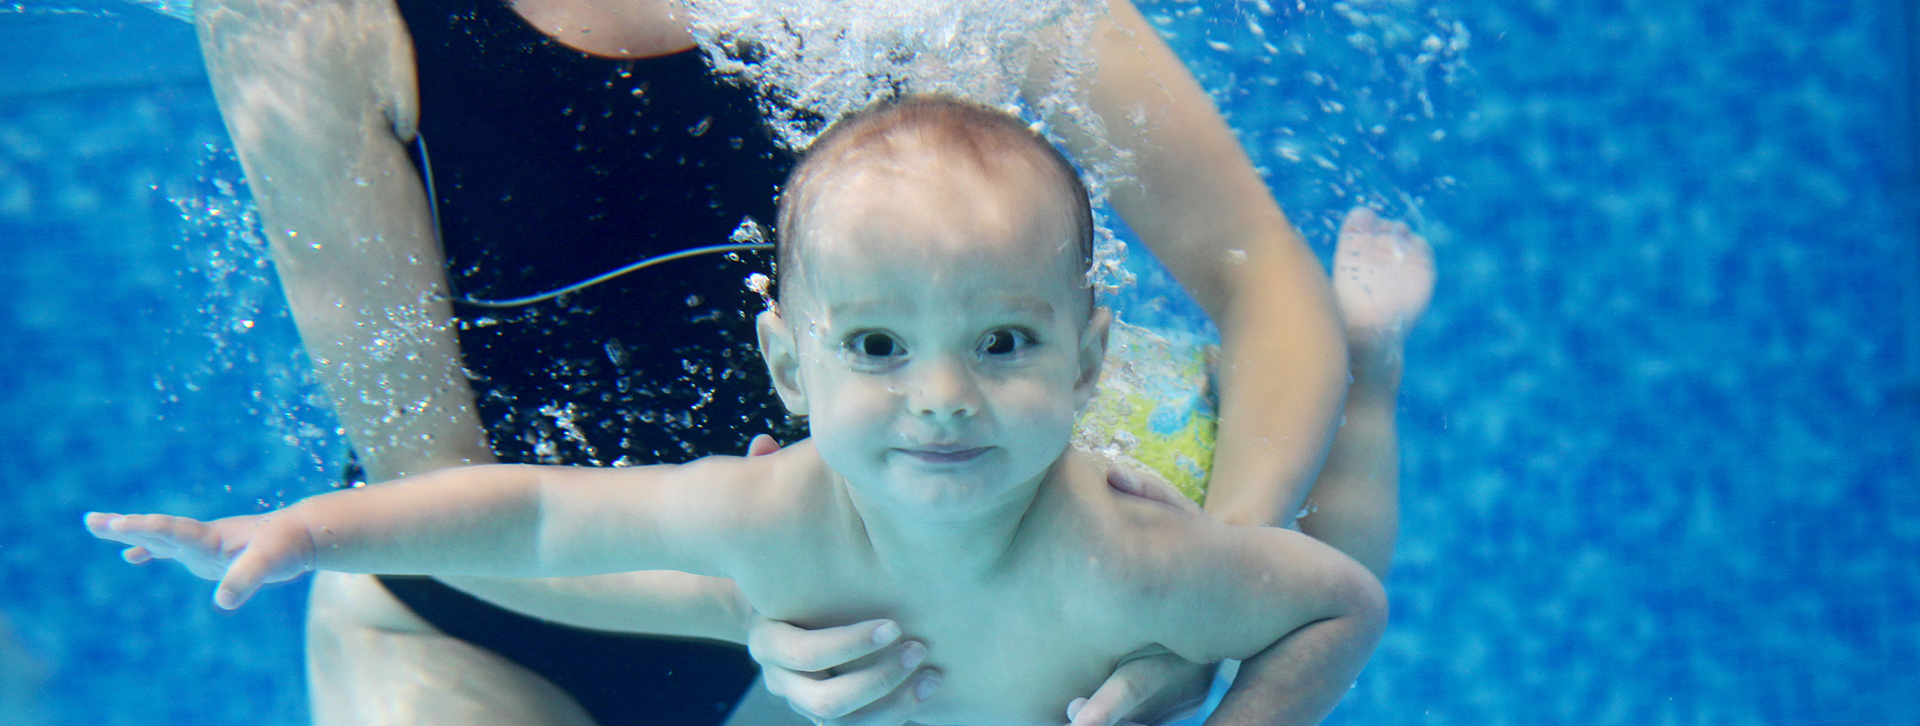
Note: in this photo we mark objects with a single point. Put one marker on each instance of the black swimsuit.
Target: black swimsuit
(549, 166)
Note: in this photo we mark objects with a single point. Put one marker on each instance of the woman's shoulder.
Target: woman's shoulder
(612, 28)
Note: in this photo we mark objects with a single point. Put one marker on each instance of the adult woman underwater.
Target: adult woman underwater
(327, 102)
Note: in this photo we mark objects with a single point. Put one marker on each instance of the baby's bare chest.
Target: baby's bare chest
(1004, 665)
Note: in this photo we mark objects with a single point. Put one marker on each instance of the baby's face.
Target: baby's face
(941, 336)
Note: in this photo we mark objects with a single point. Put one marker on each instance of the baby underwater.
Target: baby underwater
(937, 329)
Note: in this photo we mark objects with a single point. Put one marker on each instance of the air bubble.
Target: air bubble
(749, 231)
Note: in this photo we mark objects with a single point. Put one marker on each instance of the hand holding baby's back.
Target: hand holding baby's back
(242, 553)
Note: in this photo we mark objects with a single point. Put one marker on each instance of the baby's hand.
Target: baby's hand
(243, 553)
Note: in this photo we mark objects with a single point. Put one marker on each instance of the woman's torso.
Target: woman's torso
(549, 166)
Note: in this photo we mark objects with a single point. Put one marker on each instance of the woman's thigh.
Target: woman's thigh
(371, 661)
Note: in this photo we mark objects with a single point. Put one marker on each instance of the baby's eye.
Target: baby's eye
(1006, 341)
(875, 345)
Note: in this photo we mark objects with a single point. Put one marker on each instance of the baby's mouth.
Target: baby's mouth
(944, 453)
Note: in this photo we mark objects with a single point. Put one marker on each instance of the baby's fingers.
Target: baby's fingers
(158, 533)
(160, 537)
(243, 579)
(101, 524)
(270, 554)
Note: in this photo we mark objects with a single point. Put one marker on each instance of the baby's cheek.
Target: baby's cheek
(1042, 419)
(1038, 403)
(838, 456)
(847, 429)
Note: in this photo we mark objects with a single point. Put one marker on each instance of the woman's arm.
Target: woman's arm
(318, 96)
(1190, 192)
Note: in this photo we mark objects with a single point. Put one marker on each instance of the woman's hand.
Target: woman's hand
(243, 553)
(1146, 690)
(854, 675)
(1148, 485)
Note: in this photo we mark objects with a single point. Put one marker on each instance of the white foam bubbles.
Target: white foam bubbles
(814, 61)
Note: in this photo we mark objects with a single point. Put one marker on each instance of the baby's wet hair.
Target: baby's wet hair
(993, 141)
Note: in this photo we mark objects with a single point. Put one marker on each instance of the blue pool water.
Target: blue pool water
(1660, 424)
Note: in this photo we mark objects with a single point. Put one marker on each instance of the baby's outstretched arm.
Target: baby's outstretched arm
(502, 521)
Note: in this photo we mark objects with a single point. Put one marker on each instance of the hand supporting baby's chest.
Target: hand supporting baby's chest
(1007, 657)
(1015, 671)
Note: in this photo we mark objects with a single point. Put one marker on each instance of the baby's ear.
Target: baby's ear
(1093, 353)
(778, 348)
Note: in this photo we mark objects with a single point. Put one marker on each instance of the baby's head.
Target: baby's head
(935, 324)
(954, 157)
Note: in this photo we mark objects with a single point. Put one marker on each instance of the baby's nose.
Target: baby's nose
(944, 389)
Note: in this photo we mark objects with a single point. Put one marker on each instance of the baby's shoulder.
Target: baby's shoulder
(1116, 517)
(1180, 578)
(1129, 547)
(770, 490)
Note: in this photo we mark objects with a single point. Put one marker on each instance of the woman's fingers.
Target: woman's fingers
(136, 555)
(866, 693)
(762, 445)
(781, 645)
(895, 708)
(1142, 689)
(853, 675)
(1148, 485)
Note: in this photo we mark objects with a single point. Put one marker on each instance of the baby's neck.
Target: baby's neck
(949, 548)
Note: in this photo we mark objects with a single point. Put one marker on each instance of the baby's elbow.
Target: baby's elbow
(1363, 602)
